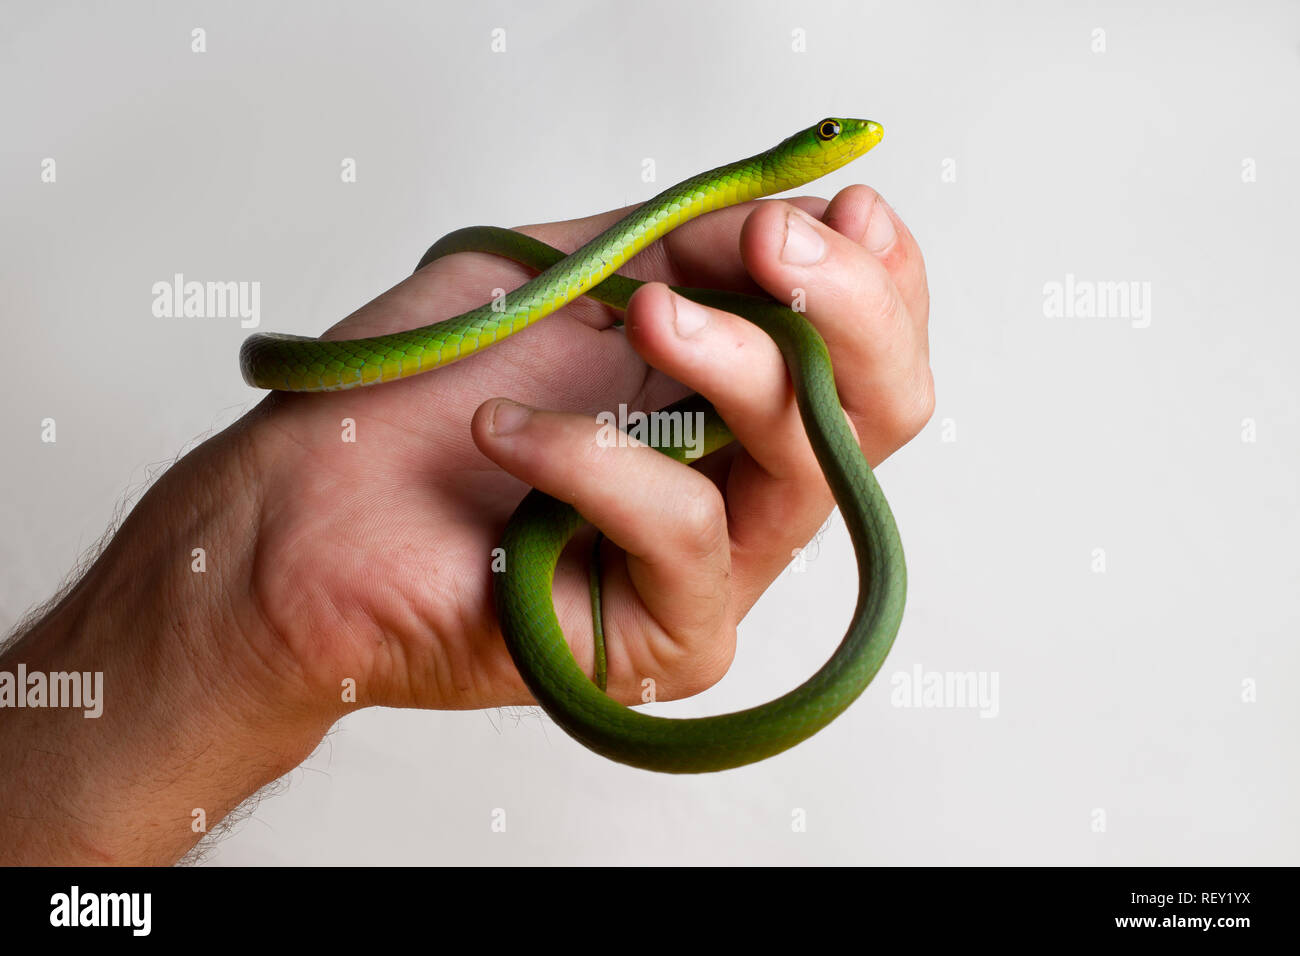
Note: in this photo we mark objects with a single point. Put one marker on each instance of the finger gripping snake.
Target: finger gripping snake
(542, 526)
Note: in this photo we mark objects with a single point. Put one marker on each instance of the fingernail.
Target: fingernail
(804, 246)
(509, 417)
(689, 317)
(880, 229)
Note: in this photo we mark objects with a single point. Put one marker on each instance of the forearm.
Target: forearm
(198, 710)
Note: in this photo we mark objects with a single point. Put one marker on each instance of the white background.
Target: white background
(1119, 691)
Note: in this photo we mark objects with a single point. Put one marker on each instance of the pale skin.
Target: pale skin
(330, 561)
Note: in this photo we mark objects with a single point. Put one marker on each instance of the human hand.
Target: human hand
(368, 562)
(375, 555)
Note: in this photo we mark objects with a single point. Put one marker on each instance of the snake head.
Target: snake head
(822, 148)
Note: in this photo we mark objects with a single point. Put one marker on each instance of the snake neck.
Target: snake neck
(602, 256)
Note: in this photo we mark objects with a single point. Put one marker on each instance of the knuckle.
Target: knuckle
(912, 414)
(884, 314)
(702, 517)
(708, 665)
(687, 662)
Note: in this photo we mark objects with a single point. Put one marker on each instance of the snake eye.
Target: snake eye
(828, 129)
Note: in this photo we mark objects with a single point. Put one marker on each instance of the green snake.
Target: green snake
(542, 526)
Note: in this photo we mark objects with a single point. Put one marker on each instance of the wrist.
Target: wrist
(199, 707)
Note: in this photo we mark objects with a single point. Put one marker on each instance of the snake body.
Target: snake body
(541, 526)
